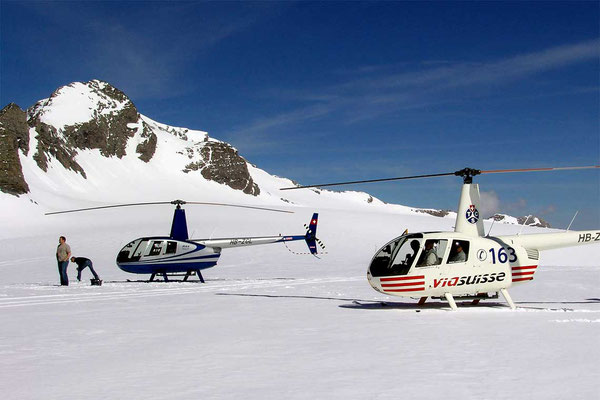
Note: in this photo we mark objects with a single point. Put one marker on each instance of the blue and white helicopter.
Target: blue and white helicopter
(178, 254)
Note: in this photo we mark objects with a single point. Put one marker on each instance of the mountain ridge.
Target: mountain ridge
(88, 136)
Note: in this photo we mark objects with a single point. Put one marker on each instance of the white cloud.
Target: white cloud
(432, 84)
(489, 203)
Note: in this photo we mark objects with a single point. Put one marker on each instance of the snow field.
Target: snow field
(269, 324)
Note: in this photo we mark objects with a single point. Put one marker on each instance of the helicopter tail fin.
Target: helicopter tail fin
(311, 234)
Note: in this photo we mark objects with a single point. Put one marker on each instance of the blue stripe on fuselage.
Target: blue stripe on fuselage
(167, 268)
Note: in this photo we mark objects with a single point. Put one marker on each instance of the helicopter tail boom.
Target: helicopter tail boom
(309, 237)
(547, 241)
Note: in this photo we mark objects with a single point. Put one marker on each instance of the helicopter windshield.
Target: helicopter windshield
(131, 252)
(396, 257)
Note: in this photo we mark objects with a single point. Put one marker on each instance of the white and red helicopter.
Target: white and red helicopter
(464, 264)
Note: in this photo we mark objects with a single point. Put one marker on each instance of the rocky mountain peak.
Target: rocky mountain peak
(79, 102)
(95, 115)
(90, 115)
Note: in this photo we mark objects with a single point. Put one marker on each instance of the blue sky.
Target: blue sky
(320, 92)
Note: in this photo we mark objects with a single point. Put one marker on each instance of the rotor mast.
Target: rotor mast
(179, 229)
(468, 174)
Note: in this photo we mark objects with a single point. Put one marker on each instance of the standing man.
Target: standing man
(63, 252)
(83, 263)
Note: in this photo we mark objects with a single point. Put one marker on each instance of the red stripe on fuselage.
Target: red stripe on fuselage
(523, 273)
(522, 279)
(405, 290)
(419, 283)
(520, 268)
(402, 278)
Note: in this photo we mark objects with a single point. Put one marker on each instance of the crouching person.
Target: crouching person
(83, 263)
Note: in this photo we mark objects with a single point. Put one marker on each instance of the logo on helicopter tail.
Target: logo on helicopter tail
(472, 214)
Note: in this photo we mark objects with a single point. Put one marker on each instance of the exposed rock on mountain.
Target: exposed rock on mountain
(222, 163)
(435, 213)
(14, 136)
(51, 144)
(146, 148)
(532, 220)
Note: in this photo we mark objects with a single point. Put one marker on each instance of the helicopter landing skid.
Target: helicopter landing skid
(185, 276)
(475, 299)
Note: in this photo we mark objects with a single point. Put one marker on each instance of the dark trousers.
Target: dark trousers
(89, 265)
(62, 271)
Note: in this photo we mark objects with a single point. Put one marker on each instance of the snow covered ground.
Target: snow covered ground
(269, 324)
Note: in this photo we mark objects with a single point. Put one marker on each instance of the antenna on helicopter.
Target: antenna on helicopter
(491, 226)
(523, 225)
(569, 227)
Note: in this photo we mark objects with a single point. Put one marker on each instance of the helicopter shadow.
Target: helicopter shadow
(279, 296)
(209, 280)
(359, 304)
(384, 305)
(353, 302)
(432, 305)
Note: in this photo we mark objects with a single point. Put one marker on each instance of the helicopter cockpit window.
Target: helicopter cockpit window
(433, 252)
(126, 253)
(459, 252)
(155, 248)
(396, 257)
(405, 256)
(141, 248)
(171, 247)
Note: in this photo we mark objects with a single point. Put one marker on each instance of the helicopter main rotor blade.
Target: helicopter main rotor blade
(498, 171)
(240, 206)
(174, 202)
(372, 180)
(111, 206)
(466, 173)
